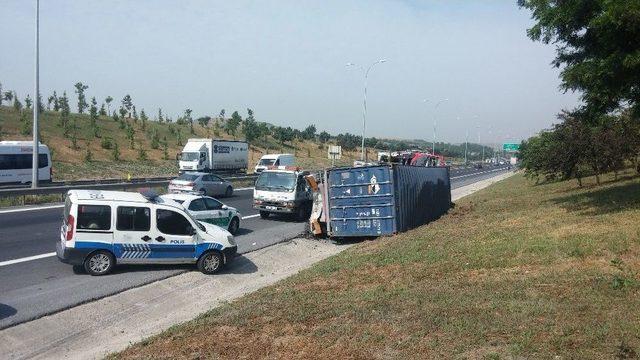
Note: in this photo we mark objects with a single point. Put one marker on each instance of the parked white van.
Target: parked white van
(16, 159)
(274, 160)
(104, 228)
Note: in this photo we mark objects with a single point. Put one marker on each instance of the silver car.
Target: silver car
(203, 183)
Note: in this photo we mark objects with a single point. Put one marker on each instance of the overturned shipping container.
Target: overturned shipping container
(383, 200)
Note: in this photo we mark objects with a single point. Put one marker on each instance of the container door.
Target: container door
(361, 202)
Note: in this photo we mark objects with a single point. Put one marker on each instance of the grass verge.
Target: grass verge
(514, 271)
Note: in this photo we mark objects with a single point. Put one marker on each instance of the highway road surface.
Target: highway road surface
(33, 283)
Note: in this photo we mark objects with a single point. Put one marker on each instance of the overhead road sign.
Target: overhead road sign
(510, 147)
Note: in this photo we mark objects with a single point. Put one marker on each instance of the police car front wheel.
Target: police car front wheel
(210, 262)
(99, 263)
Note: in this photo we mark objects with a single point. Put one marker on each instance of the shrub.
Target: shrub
(106, 143)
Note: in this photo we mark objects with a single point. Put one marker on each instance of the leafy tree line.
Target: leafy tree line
(255, 132)
(597, 49)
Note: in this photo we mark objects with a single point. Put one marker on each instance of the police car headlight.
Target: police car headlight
(231, 240)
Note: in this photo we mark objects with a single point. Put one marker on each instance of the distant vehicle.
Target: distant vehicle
(283, 190)
(477, 165)
(209, 210)
(16, 160)
(209, 155)
(203, 183)
(103, 228)
(513, 160)
(274, 160)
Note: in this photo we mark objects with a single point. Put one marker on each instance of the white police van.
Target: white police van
(104, 228)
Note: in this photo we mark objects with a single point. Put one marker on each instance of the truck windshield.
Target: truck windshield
(267, 162)
(276, 181)
(190, 156)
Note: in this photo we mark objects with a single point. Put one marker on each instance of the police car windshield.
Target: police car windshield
(276, 181)
(190, 156)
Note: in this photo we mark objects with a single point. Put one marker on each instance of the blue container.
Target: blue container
(361, 202)
(382, 200)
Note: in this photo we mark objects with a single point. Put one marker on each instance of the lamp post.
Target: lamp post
(364, 103)
(433, 146)
(36, 106)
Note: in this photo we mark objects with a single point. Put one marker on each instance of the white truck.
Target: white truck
(274, 160)
(210, 155)
(283, 190)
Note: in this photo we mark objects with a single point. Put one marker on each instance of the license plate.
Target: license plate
(272, 208)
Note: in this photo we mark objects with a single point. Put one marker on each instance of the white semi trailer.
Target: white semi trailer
(211, 155)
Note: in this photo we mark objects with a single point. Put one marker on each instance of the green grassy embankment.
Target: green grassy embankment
(515, 271)
(70, 163)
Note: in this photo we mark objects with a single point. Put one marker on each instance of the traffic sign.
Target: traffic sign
(510, 147)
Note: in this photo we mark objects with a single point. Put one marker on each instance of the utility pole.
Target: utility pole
(36, 107)
(433, 146)
(364, 103)
(466, 143)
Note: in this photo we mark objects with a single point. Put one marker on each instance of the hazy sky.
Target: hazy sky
(286, 60)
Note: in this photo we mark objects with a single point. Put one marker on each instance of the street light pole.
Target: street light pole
(364, 103)
(36, 107)
(433, 146)
(466, 143)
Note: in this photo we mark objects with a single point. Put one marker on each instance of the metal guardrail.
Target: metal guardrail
(121, 185)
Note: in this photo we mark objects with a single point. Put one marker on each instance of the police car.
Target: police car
(209, 210)
(103, 228)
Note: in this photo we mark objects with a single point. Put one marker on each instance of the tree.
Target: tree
(17, 105)
(598, 42)
(27, 102)
(49, 102)
(40, 104)
(187, 118)
(165, 149)
(115, 154)
(93, 116)
(204, 121)
(324, 137)
(231, 126)
(1, 94)
(160, 119)
(309, 132)
(127, 104)
(123, 112)
(221, 115)
(82, 101)
(283, 134)
(251, 130)
(144, 118)
(103, 111)
(135, 114)
(65, 110)
(56, 102)
(8, 95)
(108, 100)
(88, 156)
(131, 135)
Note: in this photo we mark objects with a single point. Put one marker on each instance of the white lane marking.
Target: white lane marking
(28, 258)
(32, 208)
(243, 189)
(250, 216)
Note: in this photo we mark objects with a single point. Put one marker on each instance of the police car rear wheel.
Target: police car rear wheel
(233, 226)
(99, 263)
(210, 262)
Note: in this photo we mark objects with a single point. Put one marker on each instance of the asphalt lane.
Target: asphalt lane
(32, 289)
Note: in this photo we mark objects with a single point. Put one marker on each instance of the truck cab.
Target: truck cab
(282, 190)
(194, 157)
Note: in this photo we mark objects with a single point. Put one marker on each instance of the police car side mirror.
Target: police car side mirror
(224, 207)
(192, 231)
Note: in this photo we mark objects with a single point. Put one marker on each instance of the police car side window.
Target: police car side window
(197, 205)
(172, 223)
(94, 217)
(133, 218)
(213, 204)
